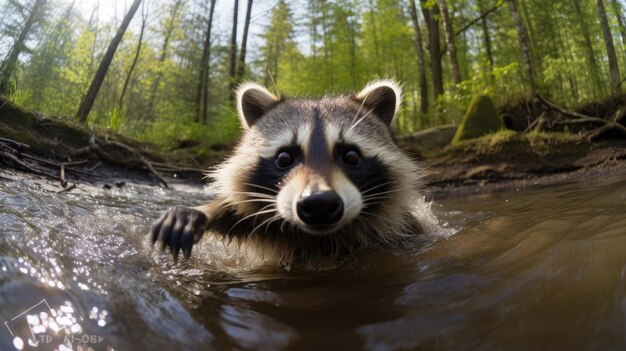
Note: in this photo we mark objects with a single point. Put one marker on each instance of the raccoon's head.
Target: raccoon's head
(321, 166)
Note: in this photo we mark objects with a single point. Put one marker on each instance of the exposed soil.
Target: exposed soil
(509, 161)
(69, 153)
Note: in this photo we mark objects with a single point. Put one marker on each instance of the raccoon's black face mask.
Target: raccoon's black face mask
(319, 165)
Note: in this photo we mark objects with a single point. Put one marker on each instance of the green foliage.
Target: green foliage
(480, 119)
(329, 47)
(116, 119)
(18, 95)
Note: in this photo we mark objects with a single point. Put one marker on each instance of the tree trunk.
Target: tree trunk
(617, 8)
(202, 97)
(96, 83)
(166, 42)
(144, 20)
(592, 61)
(487, 40)
(419, 49)
(449, 34)
(610, 49)
(353, 46)
(312, 10)
(328, 44)
(233, 48)
(434, 49)
(8, 66)
(375, 34)
(524, 45)
(241, 69)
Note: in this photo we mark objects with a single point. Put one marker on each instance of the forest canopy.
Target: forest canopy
(164, 70)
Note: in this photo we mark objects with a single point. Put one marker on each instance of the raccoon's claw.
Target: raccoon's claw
(179, 228)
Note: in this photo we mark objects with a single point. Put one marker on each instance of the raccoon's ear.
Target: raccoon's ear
(253, 101)
(383, 96)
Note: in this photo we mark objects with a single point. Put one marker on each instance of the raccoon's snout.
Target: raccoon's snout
(322, 208)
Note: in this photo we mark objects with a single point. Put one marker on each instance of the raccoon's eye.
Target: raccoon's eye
(352, 158)
(284, 159)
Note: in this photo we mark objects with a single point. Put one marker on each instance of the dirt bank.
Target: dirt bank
(510, 160)
(70, 153)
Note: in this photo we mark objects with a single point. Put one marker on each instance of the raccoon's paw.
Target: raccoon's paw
(179, 228)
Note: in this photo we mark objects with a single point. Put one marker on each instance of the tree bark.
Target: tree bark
(169, 29)
(592, 61)
(375, 34)
(8, 66)
(434, 49)
(610, 48)
(487, 41)
(144, 20)
(524, 44)
(241, 69)
(617, 8)
(202, 95)
(419, 49)
(233, 48)
(449, 35)
(98, 79)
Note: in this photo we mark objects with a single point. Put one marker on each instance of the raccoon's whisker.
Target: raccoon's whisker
(254, 194)
(359, 121)
(359, 110)
(375, 187)
(226, 108)
(275, 218)
(369, 203)
(259, 200)
(282, 226)
(382, 193)
(373, 215)
(262, 223)
(262, 187)
(260, 212)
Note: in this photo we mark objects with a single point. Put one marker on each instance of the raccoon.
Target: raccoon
(308, 179)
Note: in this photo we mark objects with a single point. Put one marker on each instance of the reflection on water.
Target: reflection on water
(527, 269)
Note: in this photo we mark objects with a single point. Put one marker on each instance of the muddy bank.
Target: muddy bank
(69, 153)
(510, 160)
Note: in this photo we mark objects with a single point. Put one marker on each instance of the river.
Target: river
(527, 269)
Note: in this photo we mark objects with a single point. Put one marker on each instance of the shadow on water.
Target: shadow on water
(528, 269)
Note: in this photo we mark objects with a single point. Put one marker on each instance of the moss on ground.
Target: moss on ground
(480, 119)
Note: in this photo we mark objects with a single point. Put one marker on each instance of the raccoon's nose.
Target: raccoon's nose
(320, 208)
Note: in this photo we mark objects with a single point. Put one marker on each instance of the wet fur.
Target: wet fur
(246, 182)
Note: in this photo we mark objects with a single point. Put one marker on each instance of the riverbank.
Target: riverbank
(67, 155)
(511, 160)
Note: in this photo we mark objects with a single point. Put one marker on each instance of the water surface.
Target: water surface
(540, 269)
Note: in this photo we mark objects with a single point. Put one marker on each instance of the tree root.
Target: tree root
(17, 162)
(96, 146)
(610, 129)
(107, 151)
(580, 118)
(14, 143)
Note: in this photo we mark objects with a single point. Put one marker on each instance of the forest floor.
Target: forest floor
(66, 154)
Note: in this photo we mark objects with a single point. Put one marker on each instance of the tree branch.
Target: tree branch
(458, 32)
